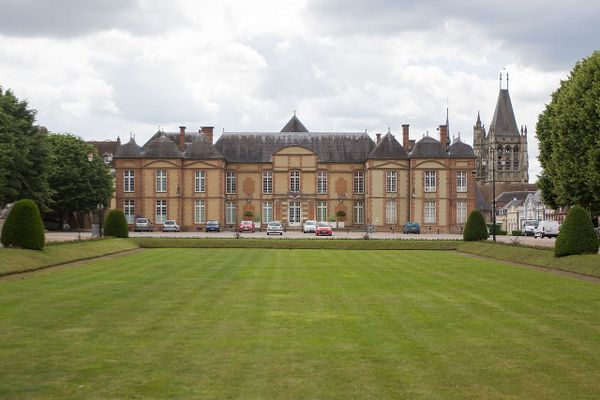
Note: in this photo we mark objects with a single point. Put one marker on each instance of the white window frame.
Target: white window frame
(461, 181)
(391, 212)
(267, 211)
(295, 181)
(160, 211)
(161, 180)
(359, 182)
(199, 181)
(322, 211)
(129, 211)
(430, 181)
(321, 182)
(129, 181)
(230, 213)
(294, 212)
(391, 181)
(230, 182)
(200, 212)
(429, 214)
(461, 211)
(267, 182)
(359, 212)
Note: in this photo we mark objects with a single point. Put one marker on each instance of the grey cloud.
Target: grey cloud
(65, 18)
(550, 35)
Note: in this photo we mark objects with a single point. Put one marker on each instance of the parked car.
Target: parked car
(547, 229)
(310, 226)
(143, 225)
(274, 227)
(412, 227)
(323, 228)
(170, 225)
(212, 226)
(529, 227)
(247, 226)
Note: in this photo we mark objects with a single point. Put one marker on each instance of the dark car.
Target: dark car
(412, 227)
(212, 226)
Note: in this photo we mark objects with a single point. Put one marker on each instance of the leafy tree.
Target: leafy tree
(577, 234)
(23, 227)
(24, 158)
(80, 184)
(116, 224)
(569, 140)
(475, 228)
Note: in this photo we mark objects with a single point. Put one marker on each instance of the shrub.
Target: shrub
(116, 224)
(24, 227)
(475, 228)
(517, 233)
(341, 214)
(248, 214)
(577, 235)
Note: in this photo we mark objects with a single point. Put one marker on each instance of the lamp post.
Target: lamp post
(493, 194)
(100, 217)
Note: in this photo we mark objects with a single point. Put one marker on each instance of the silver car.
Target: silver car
(310, 226)
(170, 225)
(143, 224)
(275, 227)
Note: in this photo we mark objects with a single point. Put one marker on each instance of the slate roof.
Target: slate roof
(201, 147)
(161, 147)
(428, 147)
(480, 202)
(328, 146)
(129, 149)
(506, 197)
(504, 122)
(388, 148)
(107, 147)
(459, 149)
(294, 125)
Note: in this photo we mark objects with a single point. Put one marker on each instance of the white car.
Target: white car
(547, 229)
(170, 225)
(275, 227)
(310, 226)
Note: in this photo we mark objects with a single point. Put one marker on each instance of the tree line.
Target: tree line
(52, 169)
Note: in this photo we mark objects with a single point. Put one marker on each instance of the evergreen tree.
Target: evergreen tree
(23, 227)
(577, 234)
(475, 228)
(116, 224)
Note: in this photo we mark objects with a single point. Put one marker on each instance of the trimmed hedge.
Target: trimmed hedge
(517, 233)
(577, 235)
(475, 228)
(24, 227)
(116, 224)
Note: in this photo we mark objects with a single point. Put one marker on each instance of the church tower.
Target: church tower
(503, 149)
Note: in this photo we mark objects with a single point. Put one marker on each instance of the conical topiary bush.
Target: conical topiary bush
(577, 235)
(475, 228)
(116, 224)
(23, 226)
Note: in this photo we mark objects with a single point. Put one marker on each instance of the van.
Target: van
(547, 229)
(529, 227)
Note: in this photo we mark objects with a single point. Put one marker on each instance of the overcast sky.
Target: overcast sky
(106, 68)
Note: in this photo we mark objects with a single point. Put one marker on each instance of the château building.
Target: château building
(296, 174)
(502, 150)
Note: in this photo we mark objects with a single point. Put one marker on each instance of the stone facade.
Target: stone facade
(295, 175)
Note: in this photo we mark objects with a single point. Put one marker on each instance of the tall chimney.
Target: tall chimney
(444, 137)
(208, 131)
(182, 138)
(378, 137)
(405, 138)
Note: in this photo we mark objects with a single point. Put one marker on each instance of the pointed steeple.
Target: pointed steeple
(294, 125)
(478, 122)
(504, 122)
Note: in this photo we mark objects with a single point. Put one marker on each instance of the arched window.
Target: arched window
(515, 158)
(499, 158)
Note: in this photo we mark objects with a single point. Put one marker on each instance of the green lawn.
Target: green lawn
(318, 324)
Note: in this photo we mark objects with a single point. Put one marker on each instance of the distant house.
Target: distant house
(107, 149)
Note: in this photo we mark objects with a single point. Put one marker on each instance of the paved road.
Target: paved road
(529, 241)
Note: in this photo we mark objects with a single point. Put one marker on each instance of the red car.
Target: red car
(247, 226)
(323, 228)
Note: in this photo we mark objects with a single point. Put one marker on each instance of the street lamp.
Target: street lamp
(101, 217)
(493, 194)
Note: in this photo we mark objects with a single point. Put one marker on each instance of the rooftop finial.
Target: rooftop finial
(389, 130)
(294, 113)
